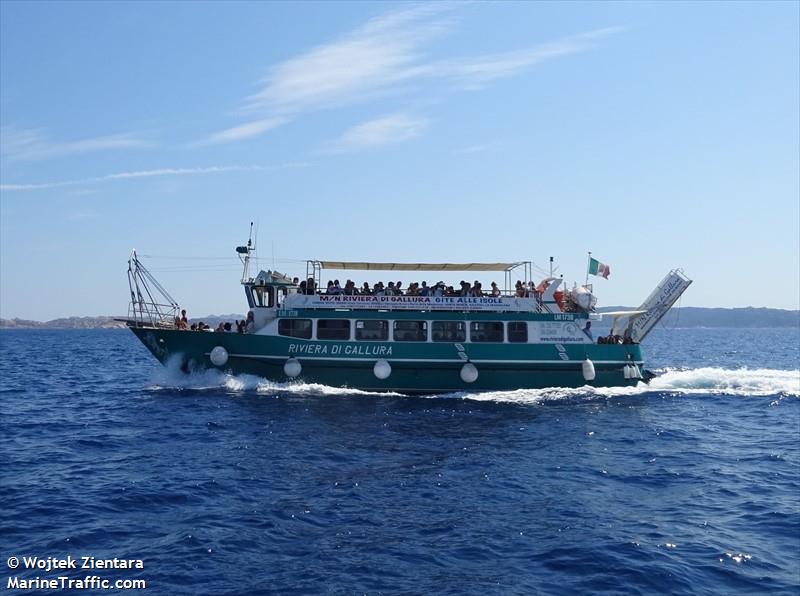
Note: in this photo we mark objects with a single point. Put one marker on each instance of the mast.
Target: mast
(243, 253)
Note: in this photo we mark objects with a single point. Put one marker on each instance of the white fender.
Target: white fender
(382, 369)
(626, 371)
(635, 372)
(219, 356)
(588, 370)
(292, 367)
(469, 374)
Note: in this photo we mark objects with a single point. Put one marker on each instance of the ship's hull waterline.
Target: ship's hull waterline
(414, 367)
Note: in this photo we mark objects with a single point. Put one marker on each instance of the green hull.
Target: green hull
(424, 367)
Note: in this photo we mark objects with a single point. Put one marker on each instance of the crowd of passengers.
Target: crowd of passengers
(521, 290)
(244, 326)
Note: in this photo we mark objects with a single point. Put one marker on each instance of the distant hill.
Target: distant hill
(692, 316)
(64, 323)
(688, 316)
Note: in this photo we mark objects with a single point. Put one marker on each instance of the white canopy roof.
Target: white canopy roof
(362, 266)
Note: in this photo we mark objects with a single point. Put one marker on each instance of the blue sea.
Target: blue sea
(234, 485)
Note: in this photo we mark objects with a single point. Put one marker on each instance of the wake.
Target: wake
(708, 380)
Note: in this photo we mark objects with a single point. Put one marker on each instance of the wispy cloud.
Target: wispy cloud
(245, 131)
(477, 148)
(478, 71)
(389, 129)
(380, 55)
(149, 174)
(387, 55)
(18, 144)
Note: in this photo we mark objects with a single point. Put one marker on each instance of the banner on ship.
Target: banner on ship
(487, 303)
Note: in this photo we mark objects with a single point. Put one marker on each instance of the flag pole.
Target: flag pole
(588, 263)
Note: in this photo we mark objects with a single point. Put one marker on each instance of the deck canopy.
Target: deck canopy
(363, 266)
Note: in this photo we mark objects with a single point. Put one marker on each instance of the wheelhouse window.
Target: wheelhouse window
(480, 331)
(411, 331)
(295, 328)
(372, 330)
(518, 332)
(449, 331)
(333, 329)
(263, 296)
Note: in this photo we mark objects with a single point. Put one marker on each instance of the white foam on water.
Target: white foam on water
(742, 381)
(171, 377)
(709, 380)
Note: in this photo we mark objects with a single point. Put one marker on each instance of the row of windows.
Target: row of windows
(376, 330)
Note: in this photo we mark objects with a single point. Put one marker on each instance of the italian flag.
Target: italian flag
(598, 268)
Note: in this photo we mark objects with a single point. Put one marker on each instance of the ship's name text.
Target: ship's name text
(339, 349)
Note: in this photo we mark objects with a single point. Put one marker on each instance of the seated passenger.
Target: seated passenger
(398, 288)
(220, 328)
(311, 286)
(365, 289)
(495, 291)
(424, 290)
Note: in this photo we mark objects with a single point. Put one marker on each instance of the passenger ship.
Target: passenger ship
(408, 344)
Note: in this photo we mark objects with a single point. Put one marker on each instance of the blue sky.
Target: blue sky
(656, 135)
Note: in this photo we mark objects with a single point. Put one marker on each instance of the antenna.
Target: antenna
(243, 252)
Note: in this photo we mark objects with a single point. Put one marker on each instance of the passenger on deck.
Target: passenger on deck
(302, 289)
(240, 325)
(378, 290)
(398, 288)
(477, 289)
(250, 324)
(390, 291)
(311, 287)
(220, 328)
(227, 328)
(438, 289)
(495, 291)
(424, 290)
(365, 291)
(587, 329)
(350, 288)
(519, 290)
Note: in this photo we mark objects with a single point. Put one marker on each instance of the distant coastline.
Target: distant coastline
(689, 316)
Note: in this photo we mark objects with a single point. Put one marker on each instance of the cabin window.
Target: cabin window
(449, 331)
(411, 331)
(333, 329)
(372, 330)
(263, 296)
(480, 331)
(281, 294)
(518, 332)
(295, 328)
